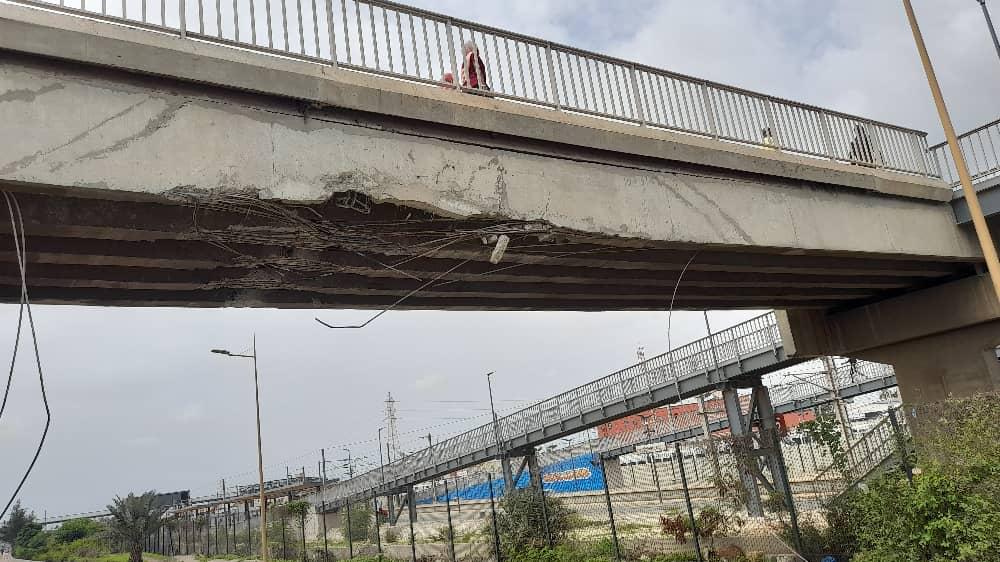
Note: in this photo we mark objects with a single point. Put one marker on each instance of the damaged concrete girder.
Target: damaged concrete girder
(106, 131)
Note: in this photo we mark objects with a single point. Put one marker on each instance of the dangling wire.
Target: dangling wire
(17, 227)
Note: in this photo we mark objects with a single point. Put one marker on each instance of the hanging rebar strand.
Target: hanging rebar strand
(611, 511)
(451, 531)
(687, 501)
(493, 512)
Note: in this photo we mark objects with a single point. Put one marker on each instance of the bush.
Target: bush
(356, 526)
(522, 525)
(676, 525)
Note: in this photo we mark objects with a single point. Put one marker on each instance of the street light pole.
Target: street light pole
(508, 476)
(260, 452)
(989, 24)
(971, 197)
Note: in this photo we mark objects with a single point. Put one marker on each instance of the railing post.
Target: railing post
(552, 76)
(771, 123)
(456, 77)
(876, 146)
(637, 96)
(182, 9)
(687, 501)
(706, 99)
(919, 153)
(332, 37)
(824, 126)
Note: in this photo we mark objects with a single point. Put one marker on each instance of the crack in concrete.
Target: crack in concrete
(708, 218)
(158, 122)
(28, 95)
(32, 158)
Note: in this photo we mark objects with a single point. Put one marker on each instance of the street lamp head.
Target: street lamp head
(221, 352)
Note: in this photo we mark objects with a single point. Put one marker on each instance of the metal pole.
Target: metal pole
(901, 445)
(493, 511)
(350, 530)
(411, 508)
(246, 506)
(264, 555)
(687, 500)
(989, 24)
(378, 526)
(611, 511)
(502, 455)
(451, 531)
(322, 503)
(971, 197)
(302, 523)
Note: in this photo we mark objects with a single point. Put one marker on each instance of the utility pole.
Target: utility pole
(260, 455)
(971, 197)
(989, 24)
(838, 403)
(709, 444)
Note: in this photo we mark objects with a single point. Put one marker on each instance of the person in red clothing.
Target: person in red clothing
(473, 68)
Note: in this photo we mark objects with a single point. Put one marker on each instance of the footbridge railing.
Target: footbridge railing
(746, 348)
(804, 392)
(386, 38)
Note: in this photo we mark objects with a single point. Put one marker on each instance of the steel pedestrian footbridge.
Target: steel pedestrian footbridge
(730, 357)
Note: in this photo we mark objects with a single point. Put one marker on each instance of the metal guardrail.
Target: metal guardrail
(981, 149)
(386, 38)
(755, 336)
(807, 391)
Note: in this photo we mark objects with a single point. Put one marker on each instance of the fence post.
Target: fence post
(284, 537)
(493, 511)
(901, 446)
(350, 530)
(378, 525)
(687, 500)
(246, 506)
(411, 499)
(451, 531)
(611, 511)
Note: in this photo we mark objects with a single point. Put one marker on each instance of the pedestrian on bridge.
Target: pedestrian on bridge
(473, 68)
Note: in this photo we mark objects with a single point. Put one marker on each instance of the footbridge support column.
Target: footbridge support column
(758, 450)
(941, 341)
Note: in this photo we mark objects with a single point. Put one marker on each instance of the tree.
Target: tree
(76, 529)
(18, 519)
(133, 519)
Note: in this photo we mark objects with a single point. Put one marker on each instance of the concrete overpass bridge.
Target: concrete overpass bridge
(187, 154)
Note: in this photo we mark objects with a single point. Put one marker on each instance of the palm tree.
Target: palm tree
(133, 519)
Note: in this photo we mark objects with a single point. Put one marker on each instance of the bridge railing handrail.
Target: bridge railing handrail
(532, 70)
(983, 162)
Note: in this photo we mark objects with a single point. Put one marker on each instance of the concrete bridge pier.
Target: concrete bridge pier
(941, 341)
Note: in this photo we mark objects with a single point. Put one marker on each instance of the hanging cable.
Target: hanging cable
(20, 249)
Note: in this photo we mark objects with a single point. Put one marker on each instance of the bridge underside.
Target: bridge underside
(190, 249)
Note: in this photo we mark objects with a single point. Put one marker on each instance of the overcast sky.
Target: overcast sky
(139, 403)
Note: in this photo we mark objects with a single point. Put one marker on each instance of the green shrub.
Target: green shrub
(356, 526)
(75, 529)
(522, 522)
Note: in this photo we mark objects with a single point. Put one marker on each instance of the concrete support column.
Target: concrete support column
(941, 341)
